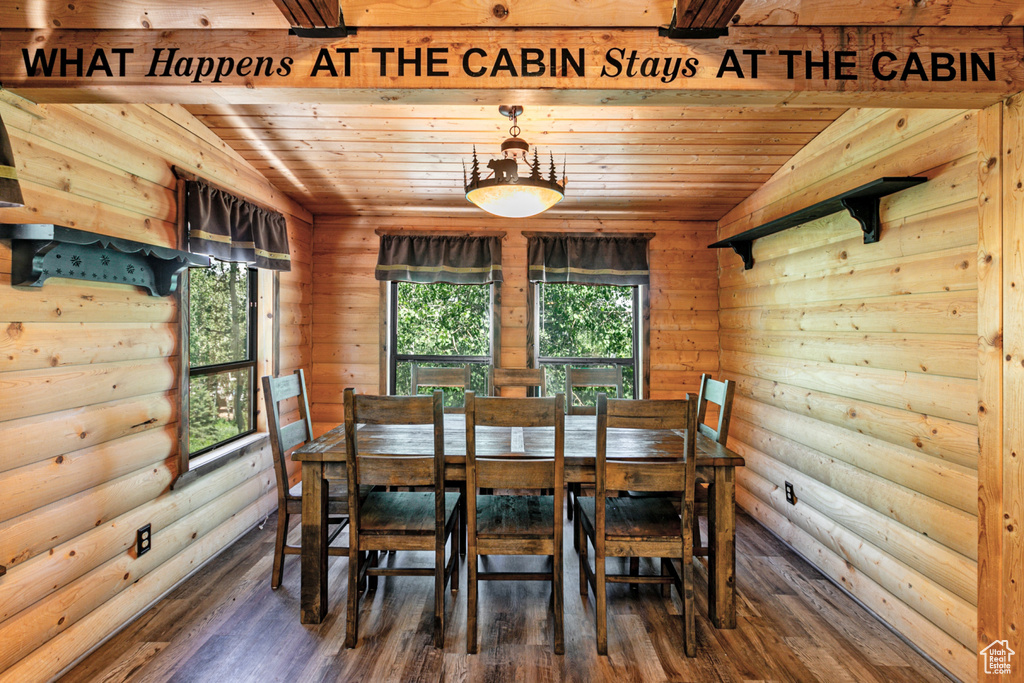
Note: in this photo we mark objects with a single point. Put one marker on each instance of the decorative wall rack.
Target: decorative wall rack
(40, 251)
(862, 203)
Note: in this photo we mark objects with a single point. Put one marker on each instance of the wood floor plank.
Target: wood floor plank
(225, 624)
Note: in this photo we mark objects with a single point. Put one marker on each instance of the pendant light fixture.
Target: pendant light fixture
(507, 192)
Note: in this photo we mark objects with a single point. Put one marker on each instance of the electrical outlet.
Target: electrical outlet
(143, 540)
(790, 496)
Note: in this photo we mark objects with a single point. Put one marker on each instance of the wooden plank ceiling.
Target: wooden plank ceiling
(398, 159)
(657, 162)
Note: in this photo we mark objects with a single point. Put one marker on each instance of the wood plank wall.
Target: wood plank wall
(684, 303)
(88, 386)
(857, 372)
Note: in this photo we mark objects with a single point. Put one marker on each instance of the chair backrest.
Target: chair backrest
(515, 470)
(720, 393)
(285, 437)
(613, 472)
(515, 377)
(393, 469)
(425, 376)
(590, 377)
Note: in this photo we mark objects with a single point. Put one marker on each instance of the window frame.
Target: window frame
(251, 362)
(640, 360)
(389, 337)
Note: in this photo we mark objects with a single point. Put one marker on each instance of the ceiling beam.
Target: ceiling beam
(704, 14)
(806, 66)
(310, 13)
(701, 19)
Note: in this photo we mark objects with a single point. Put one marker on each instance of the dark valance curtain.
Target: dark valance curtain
(10, 190)
(232, 229)
(455, 259)
(588, 259)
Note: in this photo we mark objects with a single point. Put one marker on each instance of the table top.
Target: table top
(580, 442)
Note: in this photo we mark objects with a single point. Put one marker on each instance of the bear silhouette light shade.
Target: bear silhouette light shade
(507, 192)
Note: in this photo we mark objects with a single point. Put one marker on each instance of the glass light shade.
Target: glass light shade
(519, 200)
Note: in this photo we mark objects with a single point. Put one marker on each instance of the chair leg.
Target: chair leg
(471, 606)
(463, 520)
(372, 559)
(277, 574)
(559, 606)
(581, 547)
(634, 570)
(697, 543)
(577, 531)
(363, 558)
(689, 620)
(600, 593)
(570, 490)
(352, 625)
(457, 551)
(439, 567)
(666, 588)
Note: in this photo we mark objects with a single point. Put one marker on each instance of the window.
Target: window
(439, 325)
(221, 354)
(589, 326)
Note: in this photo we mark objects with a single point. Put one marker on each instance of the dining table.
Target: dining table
(323, 465)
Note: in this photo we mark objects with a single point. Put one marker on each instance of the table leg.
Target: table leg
(313, 593)
(722, 548)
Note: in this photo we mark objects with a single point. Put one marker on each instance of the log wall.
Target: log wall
(88, 386)
(857, 372)
(346, 317)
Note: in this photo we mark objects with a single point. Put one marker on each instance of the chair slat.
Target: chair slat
(384, 470)
(439, 377)
(515, 472)
(515, 412)
(285, 387)
(395, 410)
(515, 377)
(721, 394)
(647, 414)
(590, 377)
(294, 434)
(645, 476)
(714, 391)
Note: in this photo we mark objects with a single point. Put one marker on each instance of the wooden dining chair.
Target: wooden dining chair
(514, 524)
(423, 376)
(590, 378)
(284, 438)
(529, 378)
(719, 393)
(645, 527)
(398, 520)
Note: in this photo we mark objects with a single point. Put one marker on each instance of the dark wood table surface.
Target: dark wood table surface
(323, 461)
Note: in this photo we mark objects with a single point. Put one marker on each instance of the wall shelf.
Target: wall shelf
(40, 251)
(861, 202)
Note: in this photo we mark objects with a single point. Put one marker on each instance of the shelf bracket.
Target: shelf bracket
(40, 251)
(745, 249)
(865, 211)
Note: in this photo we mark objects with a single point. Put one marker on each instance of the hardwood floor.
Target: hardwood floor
(225, 625)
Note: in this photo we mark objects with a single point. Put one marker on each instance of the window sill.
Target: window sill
(219, 457)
